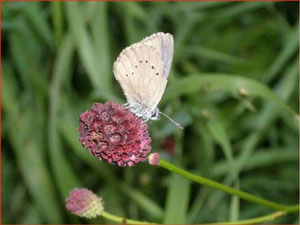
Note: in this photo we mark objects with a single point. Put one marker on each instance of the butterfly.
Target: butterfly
(142, 69)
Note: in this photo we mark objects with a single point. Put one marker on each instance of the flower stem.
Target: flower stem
(213, 184)
(121, 219)
(261, 219)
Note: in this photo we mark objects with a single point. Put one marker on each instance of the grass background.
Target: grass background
(57, 60)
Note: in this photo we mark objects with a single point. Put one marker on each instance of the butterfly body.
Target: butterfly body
(143, 111)
(142, 70)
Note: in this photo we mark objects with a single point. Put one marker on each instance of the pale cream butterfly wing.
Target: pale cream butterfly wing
(164, 43)
(142, 70)
(139, 70)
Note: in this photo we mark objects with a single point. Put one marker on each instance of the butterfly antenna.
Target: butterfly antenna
(173, 121)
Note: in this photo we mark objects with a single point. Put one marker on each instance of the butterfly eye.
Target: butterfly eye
(154, 114)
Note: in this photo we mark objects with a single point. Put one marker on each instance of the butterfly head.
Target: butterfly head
(155, 114)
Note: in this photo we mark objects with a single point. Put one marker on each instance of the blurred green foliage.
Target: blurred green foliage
(233, 85)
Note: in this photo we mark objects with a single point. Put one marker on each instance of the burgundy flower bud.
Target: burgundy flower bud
(154, 159)
(115, 134)
(84, 203)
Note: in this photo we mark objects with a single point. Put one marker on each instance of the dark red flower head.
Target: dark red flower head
(113, 133)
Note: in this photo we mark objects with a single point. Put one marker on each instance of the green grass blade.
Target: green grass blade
(195, 83)
(28, 68)
(177, 200)
(289, 49)
(214, 55)
(144, 202)
(284, 88)
(37, 18)
(83, 42)
(57, 21)
(237, 9)
(101, 39)
(29, 155)
(85, 47)
(66, 178)
(219, 134)
(261, 158)
(234, 205)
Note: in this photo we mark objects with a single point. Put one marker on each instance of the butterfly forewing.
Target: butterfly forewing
(139, 70)
(164, 43)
